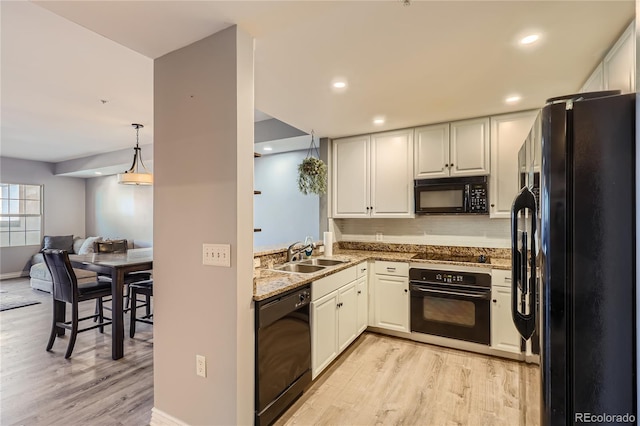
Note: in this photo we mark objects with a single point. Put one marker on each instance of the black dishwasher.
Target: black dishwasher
(283, 352)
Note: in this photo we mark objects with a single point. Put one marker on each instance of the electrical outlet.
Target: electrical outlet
(378, 236)
(201, 366)
(216, 255)
(321, 249)
(256, 262)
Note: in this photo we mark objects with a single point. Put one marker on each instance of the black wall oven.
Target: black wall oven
(451, 304)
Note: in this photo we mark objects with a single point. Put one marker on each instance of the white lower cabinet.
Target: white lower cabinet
(362, 292)
(504, 335)
(337, 310)
(391, 296)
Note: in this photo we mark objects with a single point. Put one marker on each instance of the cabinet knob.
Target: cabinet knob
(495, 301)
(359, 291)
(406, 291)
(446, 166)
(451, 165)
(493, 205)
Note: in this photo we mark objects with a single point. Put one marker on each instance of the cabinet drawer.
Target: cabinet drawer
(500, 278)
(400, 269)
(361, 269)
(333, 282)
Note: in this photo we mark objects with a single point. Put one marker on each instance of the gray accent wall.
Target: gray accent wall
(282, 212)
(115, 210)
(64, 208)
(203, 193)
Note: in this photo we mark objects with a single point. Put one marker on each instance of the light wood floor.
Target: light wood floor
(382, 380)
(42, 388)
(378, 380)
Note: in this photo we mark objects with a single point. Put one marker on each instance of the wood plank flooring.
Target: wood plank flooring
(379, 380)
(382, 380)
(42, 388)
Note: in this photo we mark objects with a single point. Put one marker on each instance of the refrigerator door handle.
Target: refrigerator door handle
(525, 323)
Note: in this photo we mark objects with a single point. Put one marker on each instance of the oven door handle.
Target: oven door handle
(484, 296)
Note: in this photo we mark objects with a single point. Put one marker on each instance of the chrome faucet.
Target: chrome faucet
(292, 253)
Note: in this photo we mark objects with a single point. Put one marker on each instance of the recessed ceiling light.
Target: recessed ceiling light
(378, 120)
(512, 99)
(267, 148)
(531, 38)
(98, 173)
(340, 84)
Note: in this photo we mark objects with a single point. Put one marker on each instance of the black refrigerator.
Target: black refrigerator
(573, 254)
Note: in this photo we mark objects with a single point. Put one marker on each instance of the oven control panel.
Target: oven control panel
(449, 277)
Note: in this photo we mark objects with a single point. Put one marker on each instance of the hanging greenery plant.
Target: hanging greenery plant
(312, 172)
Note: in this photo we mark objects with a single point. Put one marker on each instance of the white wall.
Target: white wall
(64, 207)
(282, 212)
(203, 193)
(447, 230)
(115, 210)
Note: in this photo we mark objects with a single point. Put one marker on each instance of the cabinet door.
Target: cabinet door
(391, 302)
(508, 133)
(504, 335)
(620, 63)
(431, 153)
(392, 174)
(363, 304)
(351, 177)
(324, 332)
(469, 148)
(347, 315)
(595, 83)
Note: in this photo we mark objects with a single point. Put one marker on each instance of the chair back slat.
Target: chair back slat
(65, 283)
(112, 246)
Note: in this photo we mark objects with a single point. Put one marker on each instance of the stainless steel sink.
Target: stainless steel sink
(299, 268)
(323, 262)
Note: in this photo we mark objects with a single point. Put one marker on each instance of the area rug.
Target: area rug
(13, 301)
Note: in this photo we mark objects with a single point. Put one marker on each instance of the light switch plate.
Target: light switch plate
(216, 255)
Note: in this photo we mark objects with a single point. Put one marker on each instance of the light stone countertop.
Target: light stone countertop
(269, 283)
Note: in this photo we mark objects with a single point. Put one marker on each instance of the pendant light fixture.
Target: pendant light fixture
(138, 173)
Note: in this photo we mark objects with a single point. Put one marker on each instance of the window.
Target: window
(20, 215)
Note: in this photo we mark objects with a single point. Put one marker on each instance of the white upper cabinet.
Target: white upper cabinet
(351, 177)
(619, 65)
(392, 174)
(373, 175)
(508, 134)
(469, 149)
(431, 155)
(460, 148)
(595, 82)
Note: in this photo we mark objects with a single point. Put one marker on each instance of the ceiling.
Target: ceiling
(424, 63)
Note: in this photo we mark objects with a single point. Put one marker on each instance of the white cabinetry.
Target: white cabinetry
(336, 311)
(391, 296)
(595, 82)
(362, 290)
(504, 335)
(619, 65)
(508, 133)
(372, 175)
(460, 148)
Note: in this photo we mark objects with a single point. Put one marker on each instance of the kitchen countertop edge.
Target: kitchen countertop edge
(269, 283)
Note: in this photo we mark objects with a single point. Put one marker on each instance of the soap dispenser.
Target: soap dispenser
(308, 243)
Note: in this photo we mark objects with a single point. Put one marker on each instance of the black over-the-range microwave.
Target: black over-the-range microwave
(451, 195)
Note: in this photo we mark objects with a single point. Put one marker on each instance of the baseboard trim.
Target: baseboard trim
(10, 275)
(160, 418)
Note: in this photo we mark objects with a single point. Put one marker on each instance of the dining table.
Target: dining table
(116, 265)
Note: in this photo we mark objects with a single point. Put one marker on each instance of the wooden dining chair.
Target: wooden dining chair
(144, 288)
(67, 290)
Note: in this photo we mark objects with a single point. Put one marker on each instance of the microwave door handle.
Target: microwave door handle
(525, 323)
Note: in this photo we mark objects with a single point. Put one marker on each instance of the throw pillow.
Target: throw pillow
(87, 246)
(61, 242)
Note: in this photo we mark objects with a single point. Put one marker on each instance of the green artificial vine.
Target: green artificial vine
(312, 172)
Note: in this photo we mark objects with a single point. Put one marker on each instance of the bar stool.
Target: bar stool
(143, 288)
